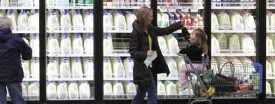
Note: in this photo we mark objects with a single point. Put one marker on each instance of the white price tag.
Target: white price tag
(163, 10)
(194, 10)
(185, 10)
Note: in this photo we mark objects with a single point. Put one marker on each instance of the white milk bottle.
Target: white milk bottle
(249, 22)
(268, 88)
(65, 21)
(26, 68)
(215, 46)
(272, 62)
(2, 13)
(129, 67)
(172, 43)
(107, 20)
(118, 68)
(22, 20)
(24, 90)
(33, 90)
(214, 22)
(222, 40)
(159, 19)
(272, 21)
(77, 21)
(89, 20)
(118, 90)
(172, 65)
(119, 20)
(77, 44)
(65, 68)
(180, 62)
(62, 90)
(5, 3)
(108, 43)
(84, 90)
(161, 90)
(107, 70)
(13, 16)
(131, 90)
(234, 43)
(33, 20)
(53, 21)
(272, 87)
(52, 69)
(268, 69)
(29, 3)
(165, 20)
(73, 90)
(77, 68)
(171, 90)
(162, 44)
(267, 23)
(65, 44)
(35, 67)
(88, 67)
(247, 44)
(53, 44)
(88, 43)
(269, 44)
(224, 21)
(237, 21)
(34, 43)
(108, 89)
(51, 90)
(130, 18)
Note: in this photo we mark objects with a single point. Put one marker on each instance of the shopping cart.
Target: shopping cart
(224, 79)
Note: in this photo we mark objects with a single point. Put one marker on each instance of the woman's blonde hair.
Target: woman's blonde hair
(201, 39)
(142, 15)
(5, 22)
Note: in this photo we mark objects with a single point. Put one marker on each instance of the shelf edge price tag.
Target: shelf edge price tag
(194, 10)
(184, 9)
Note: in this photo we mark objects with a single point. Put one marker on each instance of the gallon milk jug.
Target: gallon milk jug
(171, 90)
(272, 87)
(107, 20)
(108, 89)
(2, 13)
(162, 44)
(214, 65)
(269, 44)
(268, 69)
(22, 20)
(62, 90)
(77, 68)
(77, 21)
(130, 18)
(29, 3)
(33, 90)
(267, 23)
(26, 68)
(249, 22)
(234, 43)
(119, 20)
(65, 44)
(108, 43)
(52, 69)
(35, 67)
(53, 44)
(131, 90)
(224, 21)
(222, 40)
(65, 68)
(129, 67)
(88, 43)
(34, 43)
(53, 21)
(172, 65)
(214, 22)
(65, 21)
(118, 68)
(268, 88)
(5, 3)
(247, 44)
(89, 20)
(84, 90)
(107, 70)
(159, 19)
(73, 90)
(33, 20)
(272, 62)
(24, 90)
(51, 90)
(161, 90)
(118, 90)
(13, 15)
(77, 44)
(180, 62)
(272, 21)
(172, 43)
(237, 21)
(88, 67)
(165, 20)
(215, 46)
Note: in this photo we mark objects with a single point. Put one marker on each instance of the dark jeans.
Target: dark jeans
(15, 91)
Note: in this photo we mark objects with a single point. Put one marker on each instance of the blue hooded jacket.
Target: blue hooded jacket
(11, 48)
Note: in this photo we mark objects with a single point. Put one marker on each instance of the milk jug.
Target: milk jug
(33, 20)
(268, 88)
(118, 68)
(107, 20)
(215, 46)
(162, 44)
(108, 43)
(53, 44)
(73, 90)
(26, 68)
(77, 21)
(2, 13)
(13, 15)
(171, 90)
(65, 44)
(88, 43)
(130, 18)
(214, 22)
(247, 44)
(108, 89)
(29, 3)
(24, 90)
(118, 90)
(234, 43)
(267, 23)
(129, 67)
(272, 21)
(159, 19)
(172, 43)
(34, 43)
(62, 90)
(107, 70)
(33, 90)
(52, 69)
(272, 62)
(53, 21)
(222, 40)
(165, 20)
(172, 65)
(119, 20)
(249, 22)
(88, 67)
(77, 68)
(237, 21)
(51, 90)
(22, 20)
(180, 62)
(65, 68)
(214, 65)
(131, 90)
(77, 44)
(269, 44)
(84, 90)
(89, 20)
(5, 3)
(161, 90)
(224, 21)
(35, 67)
(65, 21)
(268, 69)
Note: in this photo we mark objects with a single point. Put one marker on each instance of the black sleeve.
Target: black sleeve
(185, 34)
(23, 48)
(189, 50)
(168, 30)
(133, 48)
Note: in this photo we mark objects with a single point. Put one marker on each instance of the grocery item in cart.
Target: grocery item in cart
(51, 90)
